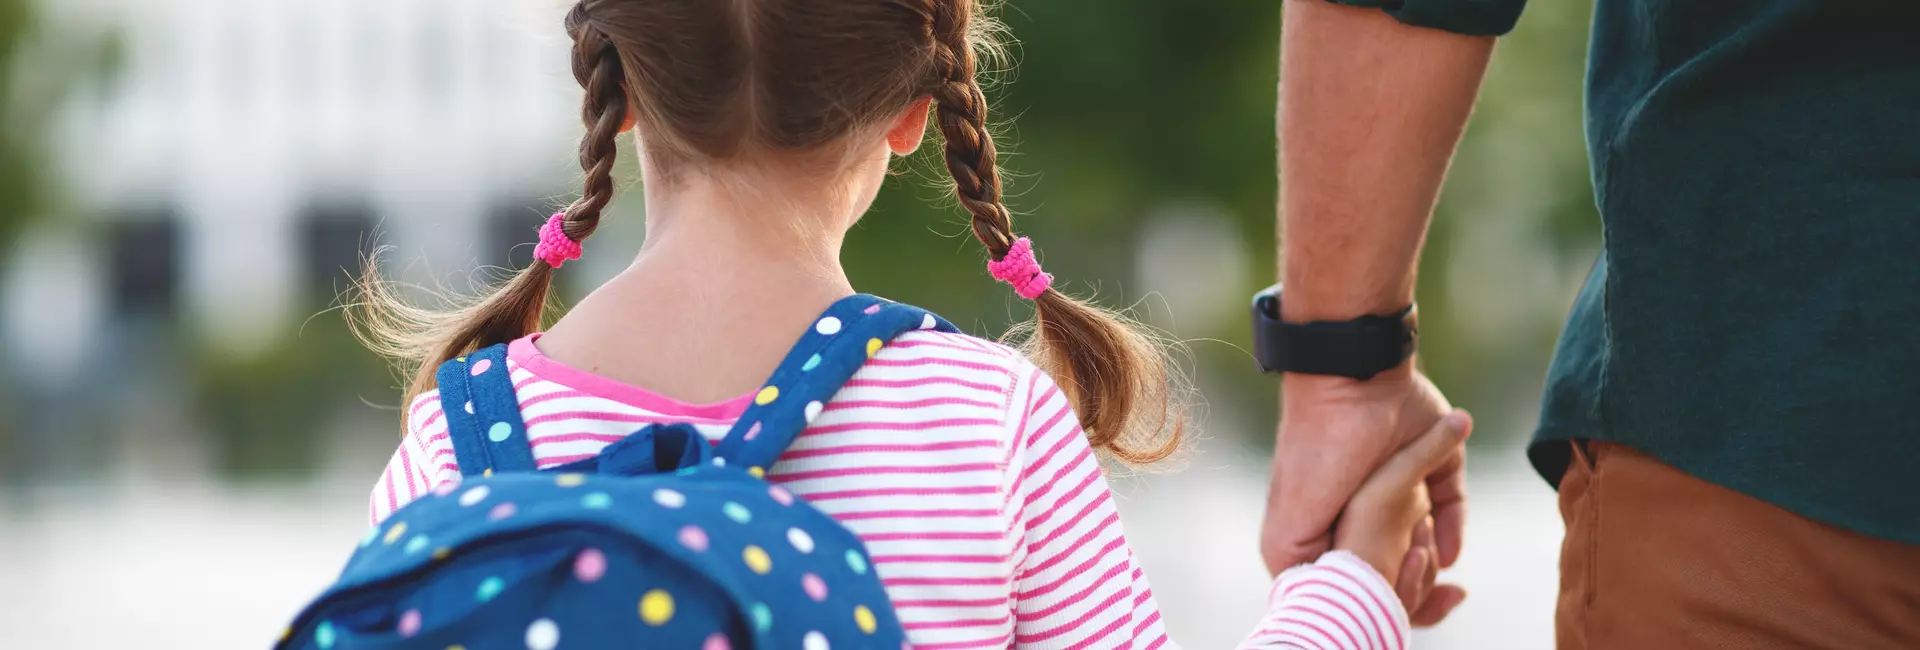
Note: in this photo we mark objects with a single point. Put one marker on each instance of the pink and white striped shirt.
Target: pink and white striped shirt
(964, 470)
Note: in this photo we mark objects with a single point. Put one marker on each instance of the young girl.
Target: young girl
(967, 468)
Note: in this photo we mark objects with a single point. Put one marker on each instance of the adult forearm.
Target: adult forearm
(1370, 113)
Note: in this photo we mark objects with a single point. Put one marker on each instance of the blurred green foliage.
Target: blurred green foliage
(265, 413)
(22, 184)
(40, 67)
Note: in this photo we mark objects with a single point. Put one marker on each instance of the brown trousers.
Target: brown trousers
(1654, 558)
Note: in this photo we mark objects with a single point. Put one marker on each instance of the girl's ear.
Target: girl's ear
(908, 129)
(633, 117)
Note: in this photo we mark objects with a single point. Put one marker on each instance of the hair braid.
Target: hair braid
(603, 108)
(962, 116)
(1108, 367)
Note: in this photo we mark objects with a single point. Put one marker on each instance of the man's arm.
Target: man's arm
(1370, 112)
(1371, 109)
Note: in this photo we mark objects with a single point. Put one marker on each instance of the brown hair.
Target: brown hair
(711, 82)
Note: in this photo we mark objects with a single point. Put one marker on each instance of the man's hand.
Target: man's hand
(1370, 112)
(1333, 433)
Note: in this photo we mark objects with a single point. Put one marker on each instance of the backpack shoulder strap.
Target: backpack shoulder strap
(837, 345)
(483, 415)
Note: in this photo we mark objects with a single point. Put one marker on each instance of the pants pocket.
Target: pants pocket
(1580, 512)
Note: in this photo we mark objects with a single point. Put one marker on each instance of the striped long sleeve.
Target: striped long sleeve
(1077, 585)
(1338, 603)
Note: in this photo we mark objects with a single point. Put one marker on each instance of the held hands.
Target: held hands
(1389, 522)
(1334, 432)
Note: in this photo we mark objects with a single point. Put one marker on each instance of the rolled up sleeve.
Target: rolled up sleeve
(1468, 17)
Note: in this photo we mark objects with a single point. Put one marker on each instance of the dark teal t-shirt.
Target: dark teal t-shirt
(1754, 319)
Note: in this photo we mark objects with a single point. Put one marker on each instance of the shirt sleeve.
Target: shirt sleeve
(1338, 602)
(1077, 585)
(423, 463)
(1466, 17)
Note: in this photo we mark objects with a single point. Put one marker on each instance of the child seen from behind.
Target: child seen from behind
(969, 470)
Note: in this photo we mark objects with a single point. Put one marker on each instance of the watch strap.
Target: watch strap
(1358, 349)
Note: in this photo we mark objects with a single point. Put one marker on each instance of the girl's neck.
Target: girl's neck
(729, 276)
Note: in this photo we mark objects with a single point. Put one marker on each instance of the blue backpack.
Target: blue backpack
(661, 541)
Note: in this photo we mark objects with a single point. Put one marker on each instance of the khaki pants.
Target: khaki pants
(1654, 558)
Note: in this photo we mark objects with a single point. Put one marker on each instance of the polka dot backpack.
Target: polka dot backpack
(662, 541)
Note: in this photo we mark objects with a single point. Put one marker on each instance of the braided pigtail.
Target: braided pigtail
(1115, 373)
(423, 338)
(596, 65)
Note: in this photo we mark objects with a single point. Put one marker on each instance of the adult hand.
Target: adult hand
(1334, 432)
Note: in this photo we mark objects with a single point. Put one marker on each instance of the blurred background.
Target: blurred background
(188, 432)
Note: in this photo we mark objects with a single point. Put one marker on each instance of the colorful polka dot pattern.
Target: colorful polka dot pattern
(656, 608)
(668, 498)
(543, 634)
(590, 565)
(660, 607)
(489, 587)
(757, 559)
(738, 513)
(409, 624)
(694, 539)
(807, 581)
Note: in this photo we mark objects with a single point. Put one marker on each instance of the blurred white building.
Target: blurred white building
(244, 150)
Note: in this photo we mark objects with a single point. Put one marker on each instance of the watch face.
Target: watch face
(1267, 305)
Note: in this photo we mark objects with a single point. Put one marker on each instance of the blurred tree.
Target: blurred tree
(36, 74)
(18, 187)
(21, 181)
(265, 413)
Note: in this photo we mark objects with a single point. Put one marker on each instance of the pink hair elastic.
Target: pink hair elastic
(1019, 268)
(555, 247)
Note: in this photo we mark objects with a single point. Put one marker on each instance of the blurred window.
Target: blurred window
(513, 228)
(335, 236)
(145, 276)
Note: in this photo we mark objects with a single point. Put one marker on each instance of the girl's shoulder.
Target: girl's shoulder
(928, 368)
(424, 413)
(954, 344)
(946, 359)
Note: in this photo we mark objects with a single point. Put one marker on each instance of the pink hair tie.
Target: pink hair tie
(555, 247)
(1019, 268)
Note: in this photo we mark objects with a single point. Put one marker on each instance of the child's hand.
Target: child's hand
(1391, 512)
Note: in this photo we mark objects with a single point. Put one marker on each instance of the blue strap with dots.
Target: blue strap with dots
(827, 355)
(483, 415)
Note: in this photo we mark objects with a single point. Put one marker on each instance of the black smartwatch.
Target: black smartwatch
(1359, 348)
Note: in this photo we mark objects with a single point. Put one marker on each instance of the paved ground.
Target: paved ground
(193, 566)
